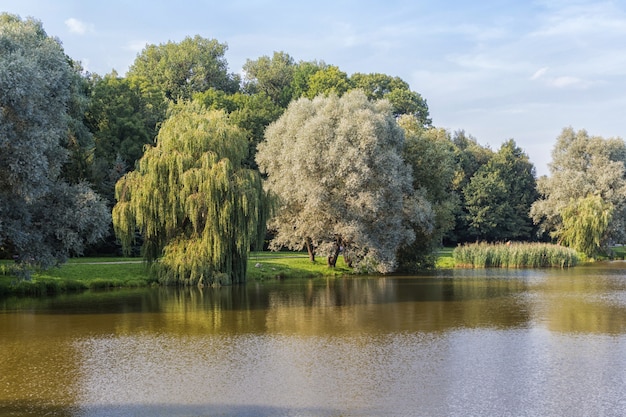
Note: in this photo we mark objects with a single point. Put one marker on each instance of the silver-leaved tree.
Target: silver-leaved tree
(335, 165)
(43, 219)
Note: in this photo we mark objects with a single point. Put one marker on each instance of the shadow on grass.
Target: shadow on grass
(262, 268)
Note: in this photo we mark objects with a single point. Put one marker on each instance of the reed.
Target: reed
(514, 255)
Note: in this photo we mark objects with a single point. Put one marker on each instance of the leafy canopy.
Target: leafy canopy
(43, 219)
(336, 166)
(588, 177)
(194, 204)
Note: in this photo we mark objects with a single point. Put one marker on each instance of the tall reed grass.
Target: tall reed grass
(514, 255)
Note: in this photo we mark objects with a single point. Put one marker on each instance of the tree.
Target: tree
(469, 157)
(329, 80)
(499, 195)
(335, 165)
(587, 175)
(429, 150)
(181, 69)
(43, 219)
(124, 115)
(79, 144)
(196, 207)
(302, 74)
(585, 223)
(397, 91)
(272, 76)
(251, 112)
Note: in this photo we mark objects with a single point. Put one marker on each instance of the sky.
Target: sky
(497, 69)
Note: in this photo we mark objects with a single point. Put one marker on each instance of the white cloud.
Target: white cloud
(77, 26)
(567, 81)
(539, 73)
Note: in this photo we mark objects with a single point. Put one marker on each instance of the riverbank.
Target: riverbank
(80, 274)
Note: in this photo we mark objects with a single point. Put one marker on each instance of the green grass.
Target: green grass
(80, 274)
(77, 275)
(277, 265)
(445, 260)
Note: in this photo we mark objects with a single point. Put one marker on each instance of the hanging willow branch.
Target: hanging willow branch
(196, 207)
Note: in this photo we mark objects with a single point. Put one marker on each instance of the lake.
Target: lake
(451, 343)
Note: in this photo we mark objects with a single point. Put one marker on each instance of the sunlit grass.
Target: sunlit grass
(99, 273)
(273, 265)
(445, 260)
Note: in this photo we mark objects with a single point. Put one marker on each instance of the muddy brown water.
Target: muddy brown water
(451, 343)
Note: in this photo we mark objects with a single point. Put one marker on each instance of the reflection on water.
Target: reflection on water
(455, 343)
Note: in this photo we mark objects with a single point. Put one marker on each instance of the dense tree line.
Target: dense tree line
(193, 159)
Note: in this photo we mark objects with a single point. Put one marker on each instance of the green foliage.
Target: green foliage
(585, 224)
(583, 201)
(123, 114)
(328, 81)
(429, 150)
(194, 204)
(44, 218)
(271, 76)
(182, 69)
(514, 255)
(397, 91)
(499, 195)
(252, 113)
(469, 157)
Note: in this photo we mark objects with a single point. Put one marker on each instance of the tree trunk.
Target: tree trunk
(332, 258)
(310, 249)
(347, 259)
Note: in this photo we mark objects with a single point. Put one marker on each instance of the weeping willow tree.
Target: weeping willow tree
(197, 209)
(585, 224)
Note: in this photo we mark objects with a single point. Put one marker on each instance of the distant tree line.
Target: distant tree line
(194, 161)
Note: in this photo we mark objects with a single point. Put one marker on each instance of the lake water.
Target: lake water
(454, 343)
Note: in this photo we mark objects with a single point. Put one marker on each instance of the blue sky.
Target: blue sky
(496, 69)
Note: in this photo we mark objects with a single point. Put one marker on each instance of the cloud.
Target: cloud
(76, 26)
(539, 73)
(563, 81)
(568, 81)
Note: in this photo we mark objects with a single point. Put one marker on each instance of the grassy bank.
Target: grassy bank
(80, 274)
(101, 273)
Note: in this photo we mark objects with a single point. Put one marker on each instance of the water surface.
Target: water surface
(455, 343)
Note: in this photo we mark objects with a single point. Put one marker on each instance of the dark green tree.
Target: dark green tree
(124, 115)
(499, 195)
(250, 112)
(469, 157)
